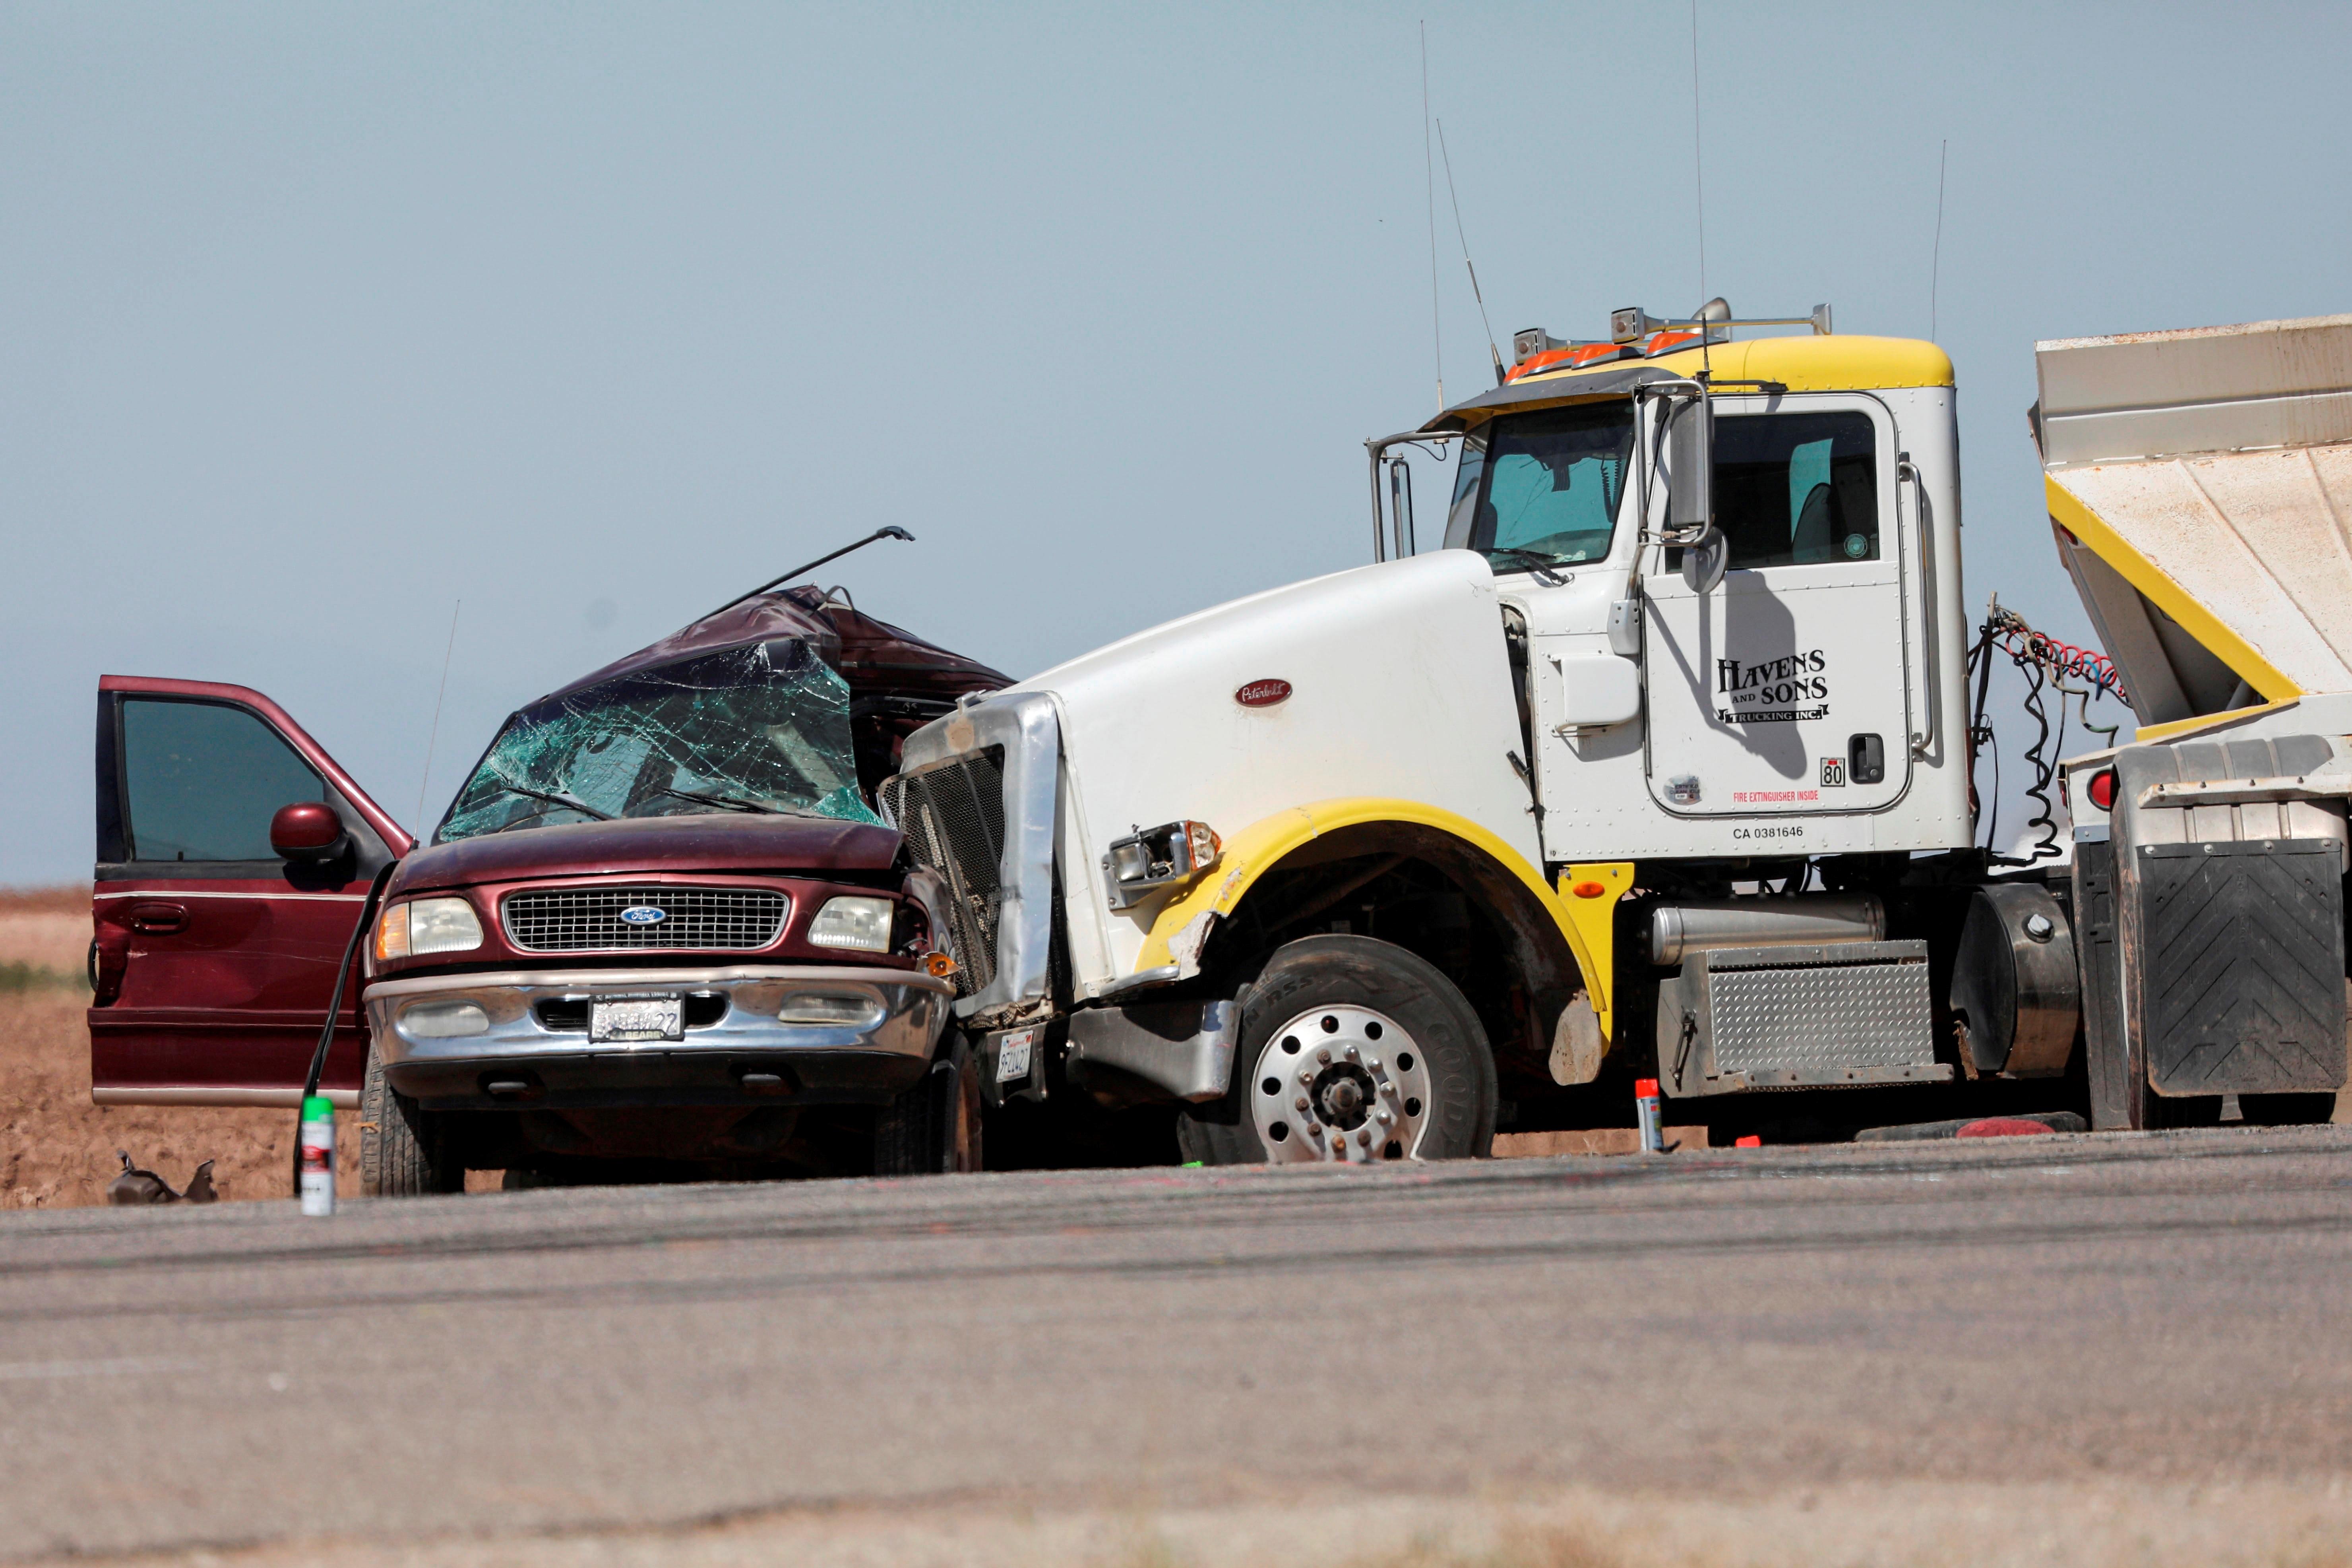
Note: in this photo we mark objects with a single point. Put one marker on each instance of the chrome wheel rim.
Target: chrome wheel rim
(1340, 1085)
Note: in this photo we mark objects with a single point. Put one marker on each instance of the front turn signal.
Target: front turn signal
(392, 933)
(938, 965)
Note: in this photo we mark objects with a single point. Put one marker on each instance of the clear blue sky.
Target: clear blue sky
(315, 319)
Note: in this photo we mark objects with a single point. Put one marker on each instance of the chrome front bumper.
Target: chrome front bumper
(741, 1055)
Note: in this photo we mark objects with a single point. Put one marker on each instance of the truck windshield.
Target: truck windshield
(1543, 488)
(757, 728)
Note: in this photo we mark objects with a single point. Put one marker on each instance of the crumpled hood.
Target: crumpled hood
(635, 846)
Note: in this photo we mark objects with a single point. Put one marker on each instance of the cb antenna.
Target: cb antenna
(1698, 189)
(1429, 172)
(1935, 258)
(433, 737)
(888, 533)
(1455, 197)
(1698, 163)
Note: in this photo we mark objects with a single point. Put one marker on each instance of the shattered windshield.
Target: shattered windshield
(763, 728)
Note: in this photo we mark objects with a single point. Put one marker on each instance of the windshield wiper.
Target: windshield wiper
(1544, 566)
(552, 798)
(734, 803)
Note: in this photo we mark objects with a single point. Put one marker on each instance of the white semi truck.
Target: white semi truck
(1661, 768)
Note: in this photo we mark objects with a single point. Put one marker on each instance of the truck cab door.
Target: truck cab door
(215, 958)
(1785, 691)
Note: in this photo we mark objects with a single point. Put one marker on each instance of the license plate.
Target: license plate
(621, 1020)
(1013, 1056)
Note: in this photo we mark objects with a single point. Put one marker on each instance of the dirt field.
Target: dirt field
(56, 1149)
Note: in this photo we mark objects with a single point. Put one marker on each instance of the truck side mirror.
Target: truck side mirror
(1690, 491)
(1690, 470)
(1703, 564)
(308, 832)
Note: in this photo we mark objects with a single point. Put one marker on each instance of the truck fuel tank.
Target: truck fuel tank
(1805, 920)
(2016, 992)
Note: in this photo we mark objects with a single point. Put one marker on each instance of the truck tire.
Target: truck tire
(934, 1127)
(404, 1148)
(1384, 1050)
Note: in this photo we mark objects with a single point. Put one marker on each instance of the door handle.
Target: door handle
(159, 919)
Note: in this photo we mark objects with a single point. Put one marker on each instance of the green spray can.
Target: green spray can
(318, 1150)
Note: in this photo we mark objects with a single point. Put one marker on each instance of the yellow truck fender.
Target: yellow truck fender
(1580, 911)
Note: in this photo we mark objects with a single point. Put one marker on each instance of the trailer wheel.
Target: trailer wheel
(934, 1127)
(404, 1148)
(1354, 1051)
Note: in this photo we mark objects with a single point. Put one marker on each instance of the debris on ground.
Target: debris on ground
(2038, 1124)
(135, 1186)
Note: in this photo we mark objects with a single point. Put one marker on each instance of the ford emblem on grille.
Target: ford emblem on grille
(645, 915)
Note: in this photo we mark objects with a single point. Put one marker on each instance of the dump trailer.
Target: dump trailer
(1659, 765)
(2200, 486)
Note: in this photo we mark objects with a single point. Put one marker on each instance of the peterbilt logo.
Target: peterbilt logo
(645, 915)
(1262, 694)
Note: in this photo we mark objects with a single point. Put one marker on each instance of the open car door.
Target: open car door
(215, 955)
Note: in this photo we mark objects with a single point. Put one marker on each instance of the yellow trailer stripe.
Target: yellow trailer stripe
(2068, 511)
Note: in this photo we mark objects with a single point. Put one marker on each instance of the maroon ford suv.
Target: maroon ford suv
(660, 931)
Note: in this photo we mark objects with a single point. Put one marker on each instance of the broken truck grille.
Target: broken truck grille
(588, 919)
(953, 819)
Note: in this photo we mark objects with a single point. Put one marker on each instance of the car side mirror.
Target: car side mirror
(308, 832)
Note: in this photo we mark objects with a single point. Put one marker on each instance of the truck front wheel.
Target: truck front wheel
(1353, 1050)
(404, 1148)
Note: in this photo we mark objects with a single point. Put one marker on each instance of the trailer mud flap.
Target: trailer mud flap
(2244, 989)
(2099, 948)
(2229, 856)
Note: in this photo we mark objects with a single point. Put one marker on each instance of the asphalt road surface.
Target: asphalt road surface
(2174, 1308)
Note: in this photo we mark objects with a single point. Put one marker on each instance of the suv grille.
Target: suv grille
(588, 919)
(953, 819)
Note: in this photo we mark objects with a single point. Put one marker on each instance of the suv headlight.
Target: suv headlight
(862, 924)
(427, 925)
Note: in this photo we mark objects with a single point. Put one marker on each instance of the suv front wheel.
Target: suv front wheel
(404, 1148)
(934, 1127)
